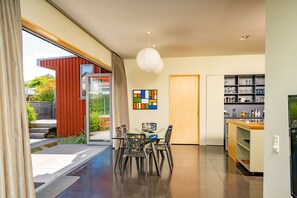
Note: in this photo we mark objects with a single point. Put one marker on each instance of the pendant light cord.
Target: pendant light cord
(148, 38)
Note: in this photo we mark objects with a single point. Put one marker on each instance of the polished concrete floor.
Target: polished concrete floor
(199, 171)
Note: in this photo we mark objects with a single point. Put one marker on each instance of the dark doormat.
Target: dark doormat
(57, 187)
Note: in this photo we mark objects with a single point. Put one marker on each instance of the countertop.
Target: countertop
(248, 125)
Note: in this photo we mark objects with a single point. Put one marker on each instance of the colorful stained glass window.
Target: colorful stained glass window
(145, 99)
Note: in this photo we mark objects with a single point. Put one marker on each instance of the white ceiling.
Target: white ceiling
(179, 28)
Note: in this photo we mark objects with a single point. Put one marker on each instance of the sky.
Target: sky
(35, 48)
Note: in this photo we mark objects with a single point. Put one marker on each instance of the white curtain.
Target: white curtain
(120, 97)
(16, 178)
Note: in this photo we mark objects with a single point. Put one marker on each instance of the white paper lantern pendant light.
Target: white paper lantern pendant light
(149, 59)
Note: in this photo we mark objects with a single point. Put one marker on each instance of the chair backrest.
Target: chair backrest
(135, 141)
(124, 128)
(119, 131)
(149, 126)
(168, 134)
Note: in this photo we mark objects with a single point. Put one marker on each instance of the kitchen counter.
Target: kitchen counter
(248, 125)
(245, 143)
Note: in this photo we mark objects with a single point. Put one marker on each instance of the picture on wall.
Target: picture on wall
(145, 99)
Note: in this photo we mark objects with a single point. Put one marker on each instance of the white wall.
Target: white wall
(215, 110)
(212, 65)
(46, 16)
(281, 70)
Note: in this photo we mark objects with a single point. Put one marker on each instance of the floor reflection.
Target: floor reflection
(199, 171)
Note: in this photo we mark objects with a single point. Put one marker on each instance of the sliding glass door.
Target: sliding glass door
(98, 102)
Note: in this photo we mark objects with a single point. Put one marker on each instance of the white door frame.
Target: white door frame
(98, 142)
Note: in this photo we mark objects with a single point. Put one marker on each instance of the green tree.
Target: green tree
(44, 88)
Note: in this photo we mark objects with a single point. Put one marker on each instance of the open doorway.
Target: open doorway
(67, 87)
(53, 76)
(40, 86)
(98, 91)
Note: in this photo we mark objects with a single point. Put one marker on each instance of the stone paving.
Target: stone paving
(51, 163)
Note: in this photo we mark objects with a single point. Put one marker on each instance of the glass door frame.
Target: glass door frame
(96, 142)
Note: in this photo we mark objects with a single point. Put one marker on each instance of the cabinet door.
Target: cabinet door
(215, 110)
(232, 130)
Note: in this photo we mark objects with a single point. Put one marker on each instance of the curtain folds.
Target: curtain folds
(16, 178)
(120, 97)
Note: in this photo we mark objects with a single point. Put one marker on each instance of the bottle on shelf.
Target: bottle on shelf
(252, 113)
(233, 112)
(258, 113)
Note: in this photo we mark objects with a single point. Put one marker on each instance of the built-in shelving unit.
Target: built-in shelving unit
(250, 149)
(244, 89)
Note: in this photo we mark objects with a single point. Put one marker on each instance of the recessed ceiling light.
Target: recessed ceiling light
(244, 37)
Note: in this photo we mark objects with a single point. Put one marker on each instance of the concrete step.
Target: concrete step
(43, 125)
(45, 143)
(40, 130)
(37, 135)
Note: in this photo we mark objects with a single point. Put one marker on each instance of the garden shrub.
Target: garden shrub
(103, 124)
(94, 122)
(32, 116)
(82, 139)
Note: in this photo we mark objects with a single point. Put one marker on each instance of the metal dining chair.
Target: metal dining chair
(124, 128)
(165, 146)
(119, 131)
(120, 150)
(135, 148)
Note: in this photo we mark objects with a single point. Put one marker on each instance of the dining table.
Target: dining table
(151, 139)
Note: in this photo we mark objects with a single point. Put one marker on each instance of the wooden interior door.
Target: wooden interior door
(184, 109)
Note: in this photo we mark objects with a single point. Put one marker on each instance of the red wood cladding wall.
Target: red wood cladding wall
(70, 109)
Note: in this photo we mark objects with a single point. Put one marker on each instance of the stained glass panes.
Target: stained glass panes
(145, 99)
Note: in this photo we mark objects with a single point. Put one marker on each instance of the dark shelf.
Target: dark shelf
(238, 117)
(247, 85)
(243, 103)
(230, 94)
(246, 94)
(238, 84)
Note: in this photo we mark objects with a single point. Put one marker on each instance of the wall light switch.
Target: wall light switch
(275, 143)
